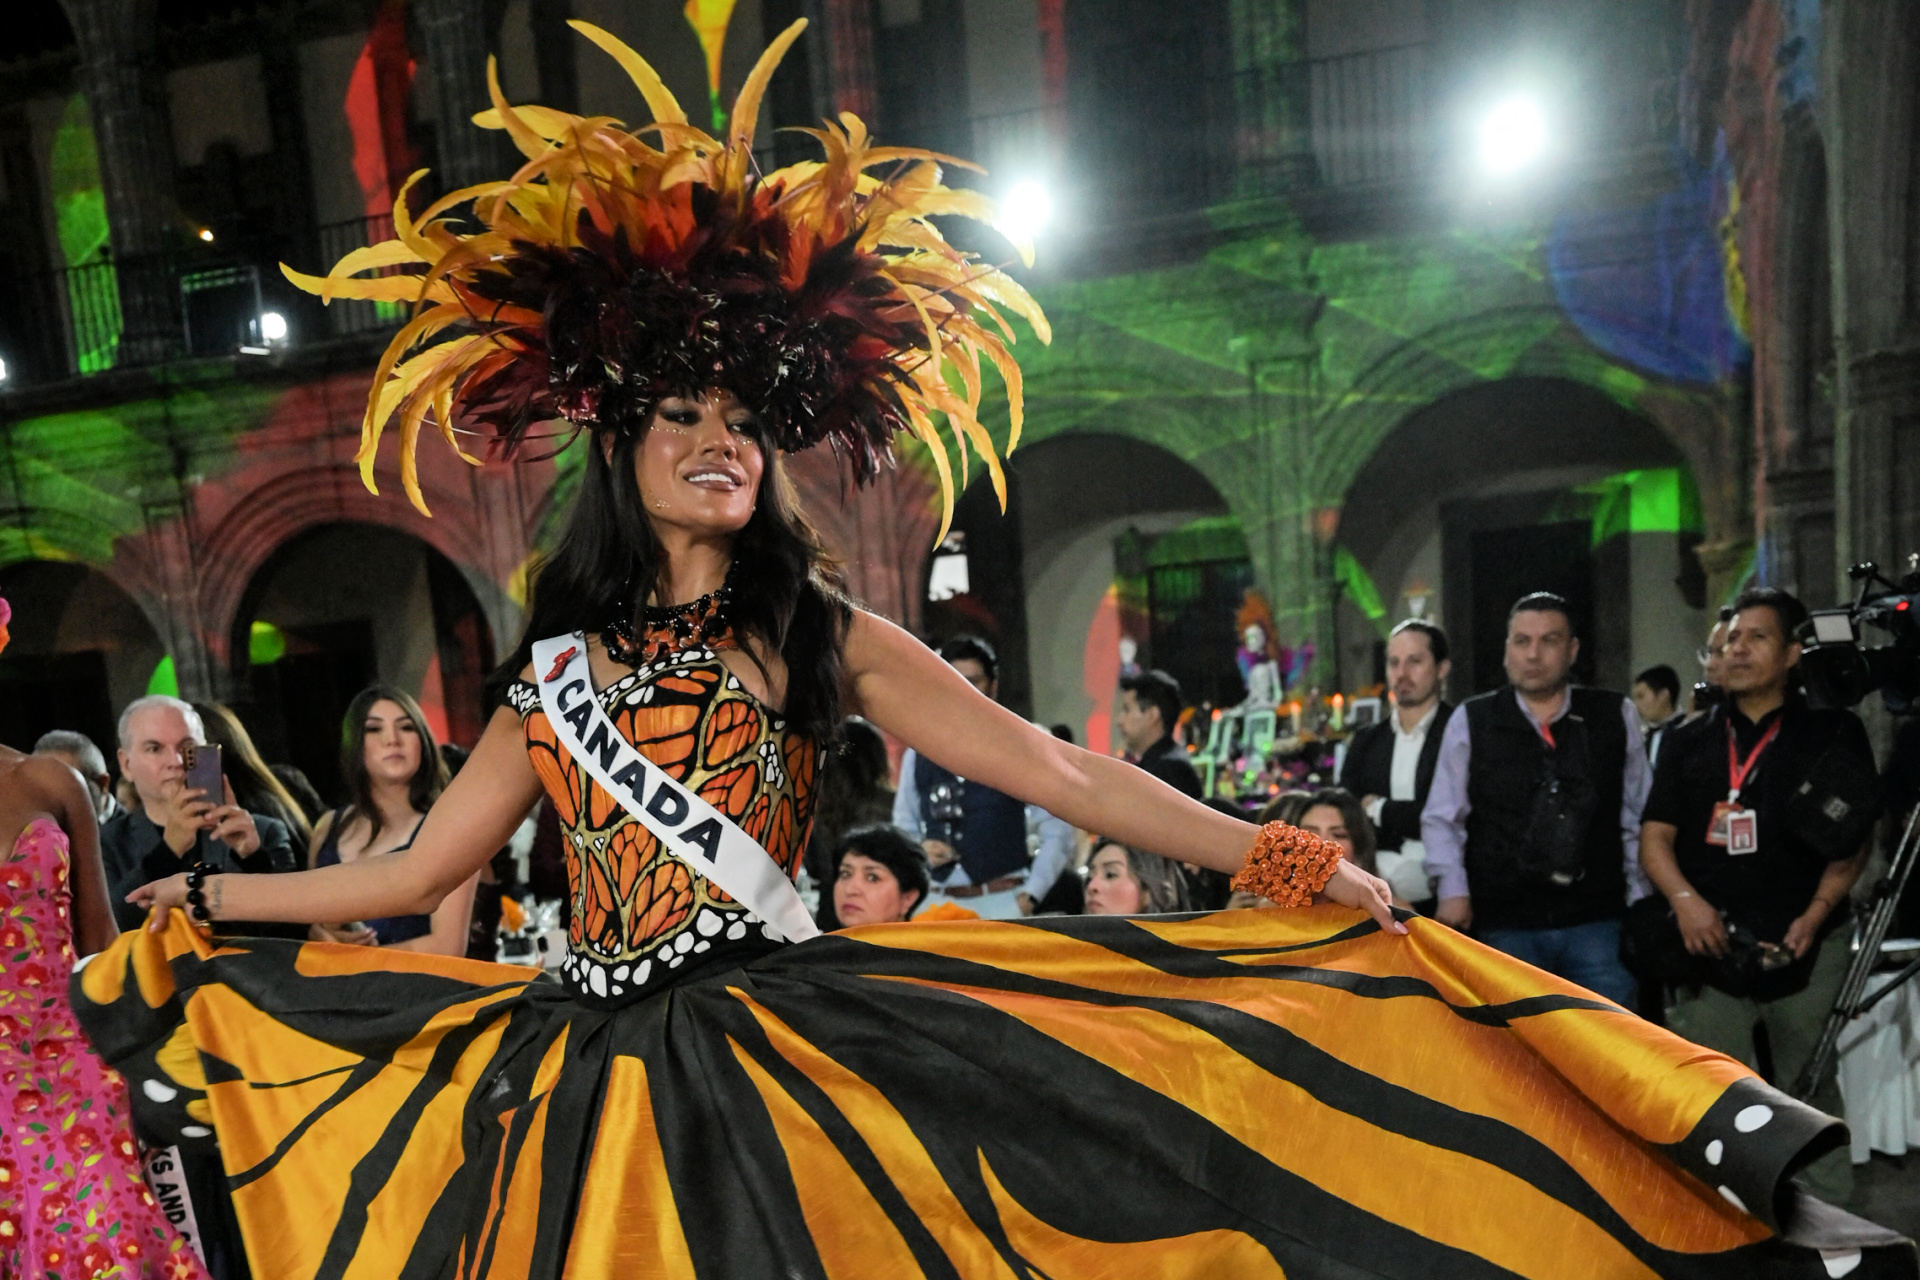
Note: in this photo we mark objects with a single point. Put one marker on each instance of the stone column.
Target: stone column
(1870, 111)
(292, 164)
(455, 39)
(120, 75)
(849, 40)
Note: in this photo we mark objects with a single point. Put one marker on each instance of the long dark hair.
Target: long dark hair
(787, 593)
(255, 788)
(428, 781)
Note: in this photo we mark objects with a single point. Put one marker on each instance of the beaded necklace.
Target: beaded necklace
(669, 629)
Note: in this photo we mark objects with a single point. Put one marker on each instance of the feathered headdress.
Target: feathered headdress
(610, 272)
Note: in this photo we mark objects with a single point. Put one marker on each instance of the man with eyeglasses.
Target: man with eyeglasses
(1712, 657)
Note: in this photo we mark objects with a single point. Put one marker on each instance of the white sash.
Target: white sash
(689, 828)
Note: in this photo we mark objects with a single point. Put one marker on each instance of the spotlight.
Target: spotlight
(1512, 135)
(273, 327)
(1025, 210)
(4, 373)
(206, 233)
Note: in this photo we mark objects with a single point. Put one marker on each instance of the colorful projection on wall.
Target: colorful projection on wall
(1651, 285)
(80, 223)
(709, 19)
(1654, 500)
(376, 107)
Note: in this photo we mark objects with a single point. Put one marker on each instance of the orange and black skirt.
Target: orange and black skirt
(1241, 1094)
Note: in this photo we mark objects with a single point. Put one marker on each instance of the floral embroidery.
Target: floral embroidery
(73, 1205)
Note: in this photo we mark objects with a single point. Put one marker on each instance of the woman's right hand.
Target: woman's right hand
(165, 894)
(1352, 887)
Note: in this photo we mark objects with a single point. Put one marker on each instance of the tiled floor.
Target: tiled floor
(1887, 1191)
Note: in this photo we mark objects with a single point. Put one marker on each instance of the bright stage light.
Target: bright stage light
(206, 233)
(273, 327)
(1512, 135)
(1025, 210)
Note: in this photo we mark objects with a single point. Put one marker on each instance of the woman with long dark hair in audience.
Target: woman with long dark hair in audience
(256, 788)
(715, 1090)
(72, 1201)
(393, 772)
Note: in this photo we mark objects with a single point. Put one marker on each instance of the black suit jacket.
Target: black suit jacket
(1167, 762)
(1369, 772)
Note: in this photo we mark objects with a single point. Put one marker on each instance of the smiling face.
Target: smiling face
(867, 892)
(700, 464)
(1111, 887)
(391, 742)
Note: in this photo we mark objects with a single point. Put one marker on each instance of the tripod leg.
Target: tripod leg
(1870, 932)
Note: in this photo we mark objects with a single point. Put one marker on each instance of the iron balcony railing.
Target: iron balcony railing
(1366, 120)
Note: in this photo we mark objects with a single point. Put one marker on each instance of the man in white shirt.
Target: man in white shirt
(1390, 764)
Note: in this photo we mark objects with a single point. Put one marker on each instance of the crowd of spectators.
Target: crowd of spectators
(1664, 847)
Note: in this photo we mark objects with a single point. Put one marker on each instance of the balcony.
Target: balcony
(1370, 122)
(1350, 132)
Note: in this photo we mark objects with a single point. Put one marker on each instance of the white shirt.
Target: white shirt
(1405, 869)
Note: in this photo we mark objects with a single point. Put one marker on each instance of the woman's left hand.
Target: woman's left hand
(1352, 887)
(164, 894)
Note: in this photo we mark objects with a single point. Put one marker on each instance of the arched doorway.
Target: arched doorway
(81, 650)
(1105, 538)
(1521, 485)
(340, 607)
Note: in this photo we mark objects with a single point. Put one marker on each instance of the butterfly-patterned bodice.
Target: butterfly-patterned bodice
(640, 916)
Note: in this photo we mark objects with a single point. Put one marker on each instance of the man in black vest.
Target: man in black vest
(975, 837)
(1533, 823)
(1390, 765)
(1725, 839)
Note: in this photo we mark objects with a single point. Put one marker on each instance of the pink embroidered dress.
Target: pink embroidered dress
(72, 1203)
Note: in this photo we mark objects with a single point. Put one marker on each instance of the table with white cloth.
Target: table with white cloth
(1879, 1068)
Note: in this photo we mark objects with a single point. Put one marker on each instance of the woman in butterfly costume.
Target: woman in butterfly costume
(712, 1092)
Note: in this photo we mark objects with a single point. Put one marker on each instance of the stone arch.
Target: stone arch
(343, 604)
(1516, 459)
(282, 508)
(82, 647)
(1043, 576)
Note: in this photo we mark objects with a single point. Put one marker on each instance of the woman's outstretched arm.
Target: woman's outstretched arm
(467, 826)
(906, 689)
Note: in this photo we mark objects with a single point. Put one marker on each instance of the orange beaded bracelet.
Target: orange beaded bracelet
(1288, 866)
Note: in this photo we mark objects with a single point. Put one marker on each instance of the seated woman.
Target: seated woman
(1332, 813)
(1123, 881)
(879, 877)
(394, 772)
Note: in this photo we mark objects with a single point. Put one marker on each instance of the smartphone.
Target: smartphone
(203, 771)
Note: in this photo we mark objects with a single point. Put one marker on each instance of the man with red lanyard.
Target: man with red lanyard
(1717, 839)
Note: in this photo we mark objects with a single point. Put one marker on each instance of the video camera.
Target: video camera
(1839, 670)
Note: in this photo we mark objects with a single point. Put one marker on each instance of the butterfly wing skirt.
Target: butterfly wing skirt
(1244, 1094)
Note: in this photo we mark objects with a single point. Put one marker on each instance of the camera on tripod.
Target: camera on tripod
(1840, 669)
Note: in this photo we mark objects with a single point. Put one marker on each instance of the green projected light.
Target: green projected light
(80, 222)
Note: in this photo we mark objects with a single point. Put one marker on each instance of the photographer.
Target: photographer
(1754, 865)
